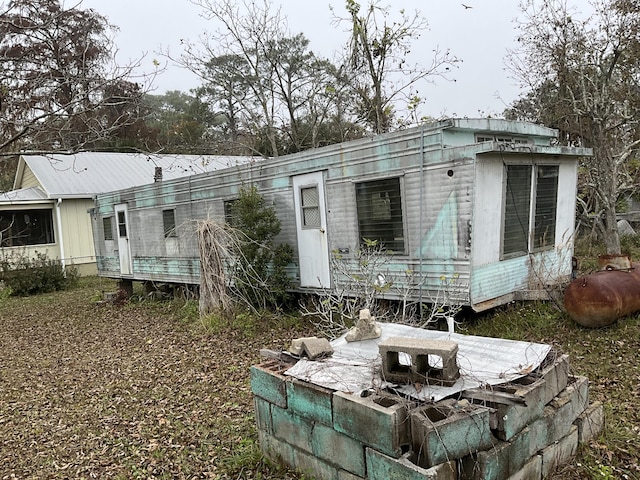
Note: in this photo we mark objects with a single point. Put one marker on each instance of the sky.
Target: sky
(479, 36)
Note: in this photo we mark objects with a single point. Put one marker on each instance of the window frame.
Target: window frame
(111, 236)
(45, 228)
(169, 230)
(397, 245)
(534, 241)
(306, 208)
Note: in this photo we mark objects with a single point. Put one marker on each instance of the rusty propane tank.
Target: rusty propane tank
(599, 299)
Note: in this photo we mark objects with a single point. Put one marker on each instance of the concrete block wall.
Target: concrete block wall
(340, 436)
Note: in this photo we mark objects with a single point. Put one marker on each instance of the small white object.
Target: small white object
(451, 323)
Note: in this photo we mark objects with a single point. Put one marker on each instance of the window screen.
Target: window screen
(517, 209)
(107, 226)
(169, 223)
(531, 193)
(26, 227)
(379, 206)
(546, 201)
(310, 202)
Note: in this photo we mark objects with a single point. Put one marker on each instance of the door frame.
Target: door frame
(313, 244)
(124, 246)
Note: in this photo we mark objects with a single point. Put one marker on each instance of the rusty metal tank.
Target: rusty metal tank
(599, 299)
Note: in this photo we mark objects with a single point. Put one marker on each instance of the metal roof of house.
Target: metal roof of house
(24, 195)
(88, 173)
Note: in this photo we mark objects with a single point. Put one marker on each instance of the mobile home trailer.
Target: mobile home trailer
(488, 202)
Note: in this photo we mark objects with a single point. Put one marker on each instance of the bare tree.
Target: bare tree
(582, 77)
(60, 89)
(272, 89)
(378, 65)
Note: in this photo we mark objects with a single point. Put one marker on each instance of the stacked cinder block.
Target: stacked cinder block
(517, 430)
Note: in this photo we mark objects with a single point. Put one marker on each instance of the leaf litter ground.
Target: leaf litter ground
(138, 391)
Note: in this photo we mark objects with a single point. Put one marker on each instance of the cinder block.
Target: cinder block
(263, 415)
(383, 467)
(498, 462)
(313, 466)
(342, 475)
(276, 450)
(445, 432)
(577, 392)
(532, 470)
(291, 428)
(559, 452)
(568, 406)
(338, 449)
(555, 375)
(561, 413)
(433, 362)
(378, 421)
(514, 405)
(268, 383)
(590, 422)
(309, 401)
(542, 431)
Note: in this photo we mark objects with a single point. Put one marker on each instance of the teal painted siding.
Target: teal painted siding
(451, 203)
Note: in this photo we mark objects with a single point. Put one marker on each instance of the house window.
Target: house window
(310, 203)
(169, 223)
(108, 228)
(19, 228)
(530, 208)
(379, 206)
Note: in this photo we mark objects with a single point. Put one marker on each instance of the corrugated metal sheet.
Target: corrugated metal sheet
(88, 173)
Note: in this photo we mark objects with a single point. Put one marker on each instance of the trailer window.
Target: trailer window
(229, 211)
(122, 225)
(530, 208)
(379, 206)
(310, 203)
(107, 226)
(169, 223)
(20, 228)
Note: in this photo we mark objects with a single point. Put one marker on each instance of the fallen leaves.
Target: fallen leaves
(119, 392)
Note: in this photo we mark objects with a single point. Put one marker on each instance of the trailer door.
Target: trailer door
(124, 249)
(311, 226)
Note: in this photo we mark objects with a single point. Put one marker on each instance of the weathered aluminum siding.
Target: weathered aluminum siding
(452, 206)
(493, 277)
(436, 211)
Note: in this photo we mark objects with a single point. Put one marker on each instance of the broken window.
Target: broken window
(21, 228)
(530, 208)
(379, 206)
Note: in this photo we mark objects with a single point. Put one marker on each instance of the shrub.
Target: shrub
(24, 275)
(259, 275)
